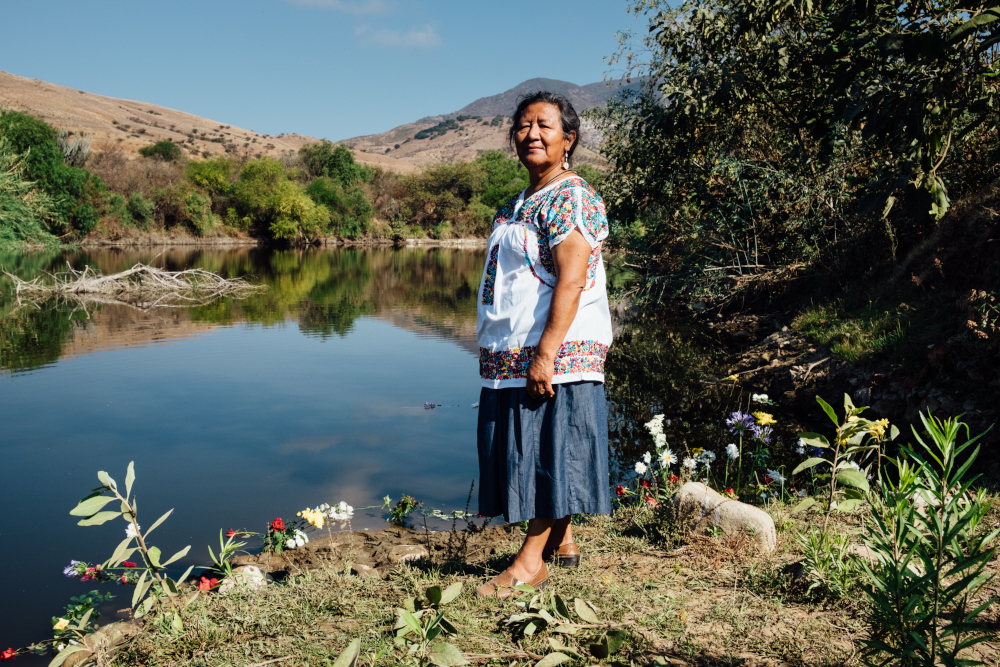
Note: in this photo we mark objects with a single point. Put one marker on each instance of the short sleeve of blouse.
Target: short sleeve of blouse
(576, 205)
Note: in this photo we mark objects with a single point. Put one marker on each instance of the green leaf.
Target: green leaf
(170, 587)
(119, 555)
(615, 640)
(444, 654)
(815, 440)
(154, 556)
(553, 659)
(601, 650)
(106, 480)
(849, 504)
(65, 653)
(129, 478)
(145, 607)
(804, 505)
(140, 587)
(808, 463)
(411, 622)
(566, 629)
(561, 607)
(893, 432)
(91, 505)
(184, 576)
(451, 592)
(434, 594)
(853, 478)
(157, 523)
(349, 658)
(988, 16)
(177, 556)
(829, 410)
(99, 518)
(584, 611)
(176, 624)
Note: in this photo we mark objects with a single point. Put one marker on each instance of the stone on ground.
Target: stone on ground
(699, 506)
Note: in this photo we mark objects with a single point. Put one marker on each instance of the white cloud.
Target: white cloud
(424, 38)
(356, 7)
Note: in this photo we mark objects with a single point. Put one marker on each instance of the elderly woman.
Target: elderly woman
(544, 329)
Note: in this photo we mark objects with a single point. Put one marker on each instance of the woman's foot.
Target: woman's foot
(502, 586)
(565, 555)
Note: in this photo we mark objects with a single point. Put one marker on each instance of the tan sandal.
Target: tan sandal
(566, 555)
(502, 586)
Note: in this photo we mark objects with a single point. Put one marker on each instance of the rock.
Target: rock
(887, 408)
(862, 552)
(245, 577)
(404, 552)
(701, 506)
(365, 571)
(969, 405)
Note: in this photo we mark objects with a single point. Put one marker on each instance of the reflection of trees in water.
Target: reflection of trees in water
(324, 290)
(658, 364)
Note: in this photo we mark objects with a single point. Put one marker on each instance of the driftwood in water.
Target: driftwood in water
(141, 286)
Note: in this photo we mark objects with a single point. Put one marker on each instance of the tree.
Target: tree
(166, 150)
(334, 161)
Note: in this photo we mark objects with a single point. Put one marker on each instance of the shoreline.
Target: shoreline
(324, 242)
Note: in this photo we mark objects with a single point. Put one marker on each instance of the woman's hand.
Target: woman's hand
(539, 381)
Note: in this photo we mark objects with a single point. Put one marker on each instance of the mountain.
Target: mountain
(581, 97)
(464, 134)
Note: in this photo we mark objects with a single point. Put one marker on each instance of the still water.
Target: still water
(241, 411)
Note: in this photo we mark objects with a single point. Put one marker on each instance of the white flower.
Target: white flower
(667, 458)
(732, 451)
(647, 457)
(668, 422)
(301, 538)
(655, 425)
(130, 530)
(802, 493)
(640, 467)
(341, 512)
(759, 398)
(290, 544)
(851, 464)
(660, 440)
(476, 404)
(707, 457)
(690, 463)
(776, 476)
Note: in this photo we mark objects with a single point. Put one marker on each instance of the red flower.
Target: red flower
(231, 533)
(620, 491)
(207, 584)
(768, 480)
(7, 655)
(673, 479)
(730, 492)
(124, 580)
(644, 483)
(278, 525)
(128, 563)
(651, 501)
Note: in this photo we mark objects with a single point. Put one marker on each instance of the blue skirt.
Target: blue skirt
(543, 459)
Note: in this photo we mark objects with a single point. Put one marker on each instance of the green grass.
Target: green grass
(855, 334)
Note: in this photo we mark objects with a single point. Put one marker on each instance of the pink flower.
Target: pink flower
(128, 564)
(651, 502)
(124, 580)
(7, 655)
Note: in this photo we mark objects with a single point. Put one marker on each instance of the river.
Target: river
(243, 410)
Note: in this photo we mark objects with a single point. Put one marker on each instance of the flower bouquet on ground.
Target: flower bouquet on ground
(282, 537)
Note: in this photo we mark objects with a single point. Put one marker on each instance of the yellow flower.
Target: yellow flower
(315, 517)
(852, 419)
(729, 378)
(878, 428)
(696, 452)
(764, 418)
(61, 625)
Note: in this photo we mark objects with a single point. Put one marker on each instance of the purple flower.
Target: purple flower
(71, 569)
(739, 422)
(762, 433)
(428, 405)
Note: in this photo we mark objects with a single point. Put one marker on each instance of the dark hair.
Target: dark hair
(570, 121)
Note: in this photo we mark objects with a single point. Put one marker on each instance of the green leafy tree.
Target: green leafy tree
(333, 161)
(278, 206)
(166, 150)
(504, 178)
(349, 207)
(213, 175)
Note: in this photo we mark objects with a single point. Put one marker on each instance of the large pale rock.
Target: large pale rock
(362, 570)
(245, 577)
(700, 506)
(404, 552)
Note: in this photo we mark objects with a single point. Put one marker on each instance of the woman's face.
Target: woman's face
(539, 139)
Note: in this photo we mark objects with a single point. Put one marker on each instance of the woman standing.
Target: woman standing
(544, 329)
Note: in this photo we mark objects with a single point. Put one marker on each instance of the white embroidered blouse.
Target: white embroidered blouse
(518, 281)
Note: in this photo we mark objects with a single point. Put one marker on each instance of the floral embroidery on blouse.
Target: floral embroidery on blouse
(574, 356)
(491, 276)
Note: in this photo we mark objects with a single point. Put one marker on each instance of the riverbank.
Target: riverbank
(675, 600)
(148, 240)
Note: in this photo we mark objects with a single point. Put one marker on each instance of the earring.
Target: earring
(566, 161)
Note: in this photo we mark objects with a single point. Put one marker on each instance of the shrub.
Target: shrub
(75, 147)
(23, 208)
(278, 207)
(442, 231)
(141, 210)
(166, 150)
(349, 208)
(213, 175)
(125, 176)
(336, 162)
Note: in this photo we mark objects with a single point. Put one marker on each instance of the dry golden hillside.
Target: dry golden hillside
(132, 125)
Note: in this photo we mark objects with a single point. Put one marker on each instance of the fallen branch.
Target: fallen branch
(141, 286)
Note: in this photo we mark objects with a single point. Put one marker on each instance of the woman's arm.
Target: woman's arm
(571, 258)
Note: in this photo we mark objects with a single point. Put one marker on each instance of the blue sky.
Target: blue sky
(325, 68)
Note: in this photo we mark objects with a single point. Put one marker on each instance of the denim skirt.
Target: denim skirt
(543, 459)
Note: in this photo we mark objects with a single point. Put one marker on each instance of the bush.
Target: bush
(23, 208)
(166, 150)
(141, 210)
(349, 207)
(278, 207)
(213, 175)
(442, 231)
(125, 176)
(336, 162)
